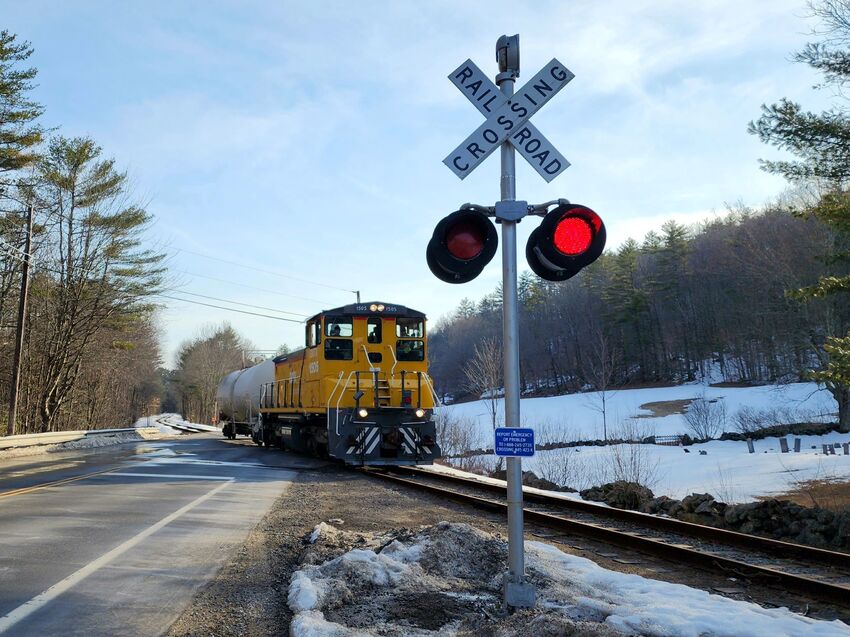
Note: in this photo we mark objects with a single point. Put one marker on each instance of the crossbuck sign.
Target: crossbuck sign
(507, 119)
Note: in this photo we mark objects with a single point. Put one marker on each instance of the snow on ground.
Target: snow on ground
(446, 580)
(579, 417)
(727, 470)
(723, 468)
(161, 422)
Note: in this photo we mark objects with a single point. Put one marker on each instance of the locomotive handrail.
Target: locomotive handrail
(433, 391)
(331, 395)
(339, 400)
(368, 360)
(395, 360)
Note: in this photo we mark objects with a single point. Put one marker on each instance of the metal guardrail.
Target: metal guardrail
(58, 437)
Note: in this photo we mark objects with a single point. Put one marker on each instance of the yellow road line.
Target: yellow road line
(46, 485)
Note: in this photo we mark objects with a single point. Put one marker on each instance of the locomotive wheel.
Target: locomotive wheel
(310, 444)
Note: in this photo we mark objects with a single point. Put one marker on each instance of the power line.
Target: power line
(230, 309)
(215, 298)
(252, 287)
(272, 272)
(9, 246)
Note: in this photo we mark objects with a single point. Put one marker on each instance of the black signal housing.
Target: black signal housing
(463, 243)
(569, 238)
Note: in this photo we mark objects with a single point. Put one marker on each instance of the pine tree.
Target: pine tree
(19, 135)
(821, 144)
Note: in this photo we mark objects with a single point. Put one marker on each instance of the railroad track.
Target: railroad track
(820, 574)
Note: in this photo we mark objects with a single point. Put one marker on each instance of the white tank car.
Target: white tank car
(238, 394)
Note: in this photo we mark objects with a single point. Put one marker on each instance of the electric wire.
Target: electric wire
(9, 246)
(230, 309)
(215, 298)
(272, 272)
(253, 287)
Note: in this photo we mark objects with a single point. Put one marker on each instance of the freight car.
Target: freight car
(358, 391)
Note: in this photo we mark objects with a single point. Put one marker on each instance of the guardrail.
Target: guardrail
(58, 437)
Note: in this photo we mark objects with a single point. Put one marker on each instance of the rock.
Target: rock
(693, 501)
(661, 504)
(620, 494)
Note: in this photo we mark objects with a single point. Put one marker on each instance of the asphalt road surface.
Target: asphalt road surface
(115, 541)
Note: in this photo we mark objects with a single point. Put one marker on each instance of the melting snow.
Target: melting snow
(446, 580)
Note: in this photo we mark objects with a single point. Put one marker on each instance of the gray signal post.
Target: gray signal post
(507, 126)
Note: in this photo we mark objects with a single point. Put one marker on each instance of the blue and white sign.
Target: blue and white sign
(514, 442)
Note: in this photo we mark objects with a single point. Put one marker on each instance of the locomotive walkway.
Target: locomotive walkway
(115, 541)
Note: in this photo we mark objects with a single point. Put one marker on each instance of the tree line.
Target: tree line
(90, 356)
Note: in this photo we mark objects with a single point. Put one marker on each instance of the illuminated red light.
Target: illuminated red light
(465, 240)
(573, 236)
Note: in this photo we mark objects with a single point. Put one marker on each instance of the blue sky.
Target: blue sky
(307, 139)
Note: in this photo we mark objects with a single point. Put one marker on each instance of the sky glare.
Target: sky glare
(304, 141)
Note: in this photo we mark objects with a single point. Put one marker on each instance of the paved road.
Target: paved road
(115, 541)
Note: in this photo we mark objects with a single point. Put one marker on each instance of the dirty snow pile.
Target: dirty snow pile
(162, 422)
(446, 580)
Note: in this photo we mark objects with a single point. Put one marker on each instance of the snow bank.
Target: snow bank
(445, 580)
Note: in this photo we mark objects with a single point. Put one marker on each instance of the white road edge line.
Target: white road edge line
(27, 608)
(172, 475)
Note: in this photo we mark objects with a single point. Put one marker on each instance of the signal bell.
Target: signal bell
(569, 238)
(463, 243)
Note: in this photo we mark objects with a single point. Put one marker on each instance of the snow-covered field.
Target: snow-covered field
(579, 416)
(725, 469)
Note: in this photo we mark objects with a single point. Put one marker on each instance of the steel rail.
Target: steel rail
(834, 593)
(778, 548)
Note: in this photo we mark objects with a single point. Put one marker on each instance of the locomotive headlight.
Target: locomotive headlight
(420, 413)
(362, 413)
(373, 308)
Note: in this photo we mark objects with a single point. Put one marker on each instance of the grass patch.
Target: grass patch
(663, 408)
(832, 494)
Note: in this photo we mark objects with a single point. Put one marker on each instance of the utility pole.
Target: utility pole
(19, 336)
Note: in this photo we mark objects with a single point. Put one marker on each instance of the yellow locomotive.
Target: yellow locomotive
(358, 391)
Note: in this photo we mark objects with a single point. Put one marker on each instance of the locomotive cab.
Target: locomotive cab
(359, 390)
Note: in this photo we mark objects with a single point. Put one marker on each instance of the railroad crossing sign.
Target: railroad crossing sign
(507, 119)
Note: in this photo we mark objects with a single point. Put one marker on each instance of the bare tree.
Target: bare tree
(706, 418)
(599, 367)
(631, 460)
(202, 363)
(483, 374)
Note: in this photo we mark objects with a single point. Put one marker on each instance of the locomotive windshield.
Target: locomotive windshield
(373, 330)
(410, 346)
(338, 344)
(409, 328)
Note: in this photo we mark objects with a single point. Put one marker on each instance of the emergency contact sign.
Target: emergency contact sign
(514, 442)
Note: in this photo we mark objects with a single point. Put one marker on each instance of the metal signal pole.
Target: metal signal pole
(517, 592)
(19, 336)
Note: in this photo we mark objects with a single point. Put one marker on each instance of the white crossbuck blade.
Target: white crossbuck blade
(507, 119)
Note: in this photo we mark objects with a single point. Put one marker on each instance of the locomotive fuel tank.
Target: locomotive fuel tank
(238, 394)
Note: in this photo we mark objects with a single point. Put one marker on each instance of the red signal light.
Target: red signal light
(463, 243)
(465, 240)
(569, 238)
(573, 235)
